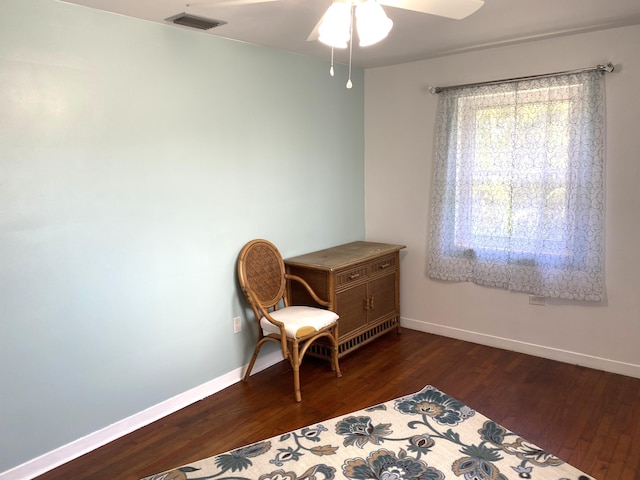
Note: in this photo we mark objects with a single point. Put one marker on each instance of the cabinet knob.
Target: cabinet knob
(368, 302)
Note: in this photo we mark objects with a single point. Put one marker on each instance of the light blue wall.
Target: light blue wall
(135, 161)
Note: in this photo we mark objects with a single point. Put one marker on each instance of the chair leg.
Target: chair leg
(253, 360)
(295, 364)
(334, 361)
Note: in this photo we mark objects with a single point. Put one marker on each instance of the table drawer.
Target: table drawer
(385, 264)
(352, 275)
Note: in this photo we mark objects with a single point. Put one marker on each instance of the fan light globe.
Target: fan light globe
(372, 23)
(335, 29)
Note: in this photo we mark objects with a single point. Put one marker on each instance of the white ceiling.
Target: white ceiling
(285, 24)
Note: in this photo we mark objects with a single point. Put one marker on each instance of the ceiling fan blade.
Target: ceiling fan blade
(315, 33)
(456, 9)
(227, 3)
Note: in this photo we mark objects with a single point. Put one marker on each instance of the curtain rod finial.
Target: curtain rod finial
(606, 68)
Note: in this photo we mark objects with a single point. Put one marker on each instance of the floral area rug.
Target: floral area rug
(424, 436)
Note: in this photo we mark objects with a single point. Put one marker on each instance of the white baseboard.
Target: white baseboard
(565, 356)
(75, 449)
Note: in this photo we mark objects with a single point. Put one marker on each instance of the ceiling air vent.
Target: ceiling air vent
(193, 21)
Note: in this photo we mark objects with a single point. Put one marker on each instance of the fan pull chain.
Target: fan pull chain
(331, 69)
(349, 84)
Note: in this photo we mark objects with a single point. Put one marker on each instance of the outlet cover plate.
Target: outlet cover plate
(536, 300)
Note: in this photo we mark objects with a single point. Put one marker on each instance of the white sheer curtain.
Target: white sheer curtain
(518, 199)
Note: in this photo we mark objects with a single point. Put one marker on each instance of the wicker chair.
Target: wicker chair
(264, 282)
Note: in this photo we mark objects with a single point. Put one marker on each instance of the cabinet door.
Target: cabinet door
(351, 306)
(382, 296)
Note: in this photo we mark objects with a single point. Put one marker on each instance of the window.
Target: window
(518, 199)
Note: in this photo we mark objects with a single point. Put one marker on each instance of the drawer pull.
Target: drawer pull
(384, 265)
(354, 276)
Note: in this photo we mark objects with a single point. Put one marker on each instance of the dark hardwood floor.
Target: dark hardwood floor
(588, 418)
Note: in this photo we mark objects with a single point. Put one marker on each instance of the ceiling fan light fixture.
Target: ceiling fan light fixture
(335, 29)
(372, 23)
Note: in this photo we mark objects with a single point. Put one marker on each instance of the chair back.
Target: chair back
(261, 274)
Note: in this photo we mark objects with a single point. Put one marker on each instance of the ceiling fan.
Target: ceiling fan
(369, 14)
(371, 21)
(336, 27)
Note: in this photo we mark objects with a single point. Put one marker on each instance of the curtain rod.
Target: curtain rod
(601, 68)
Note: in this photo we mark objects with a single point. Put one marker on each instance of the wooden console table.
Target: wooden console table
(361, 280)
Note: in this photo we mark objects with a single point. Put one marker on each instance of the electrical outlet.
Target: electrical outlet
(237, 324)
(536, 300)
